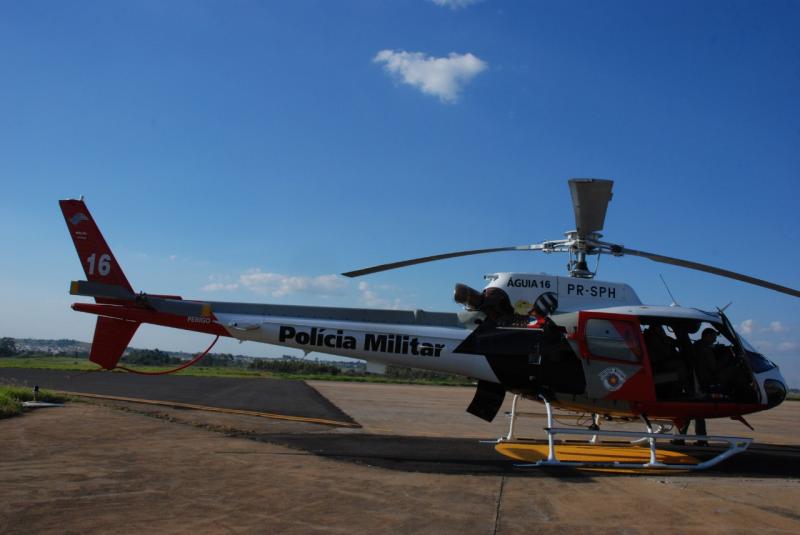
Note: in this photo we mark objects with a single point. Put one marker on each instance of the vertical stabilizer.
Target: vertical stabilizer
(96, 257)
(111, 337)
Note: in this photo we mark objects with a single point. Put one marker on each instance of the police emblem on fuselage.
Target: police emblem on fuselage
(612, 378)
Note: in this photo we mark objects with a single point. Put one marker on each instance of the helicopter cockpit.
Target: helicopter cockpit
(701, 360)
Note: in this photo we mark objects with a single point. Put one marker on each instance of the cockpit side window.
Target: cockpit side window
(713, 353)
(666, 346)
(613, 339)
(661, 342)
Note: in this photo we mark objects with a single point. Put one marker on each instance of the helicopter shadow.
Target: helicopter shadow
(458, 456)
(762, 460)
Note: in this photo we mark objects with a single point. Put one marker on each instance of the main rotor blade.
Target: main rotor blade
(422, 260)
(590, 198)
(710, 269)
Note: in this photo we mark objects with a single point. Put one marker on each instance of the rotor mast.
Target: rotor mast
(579, 250)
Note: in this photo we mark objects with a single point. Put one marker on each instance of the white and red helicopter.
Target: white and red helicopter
(572, 342)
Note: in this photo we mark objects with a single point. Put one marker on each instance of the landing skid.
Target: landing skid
(581, 455)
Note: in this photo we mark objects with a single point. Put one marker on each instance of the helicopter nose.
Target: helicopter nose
(776, 392)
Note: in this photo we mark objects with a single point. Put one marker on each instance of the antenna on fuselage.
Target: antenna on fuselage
(674, 301)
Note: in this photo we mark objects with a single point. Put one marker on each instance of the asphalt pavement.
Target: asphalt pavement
(291, 398)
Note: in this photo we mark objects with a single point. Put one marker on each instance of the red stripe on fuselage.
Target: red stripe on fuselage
(189, 323)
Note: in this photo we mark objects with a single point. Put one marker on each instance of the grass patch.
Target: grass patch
(11, 398)
(78, 364)
(48, 363)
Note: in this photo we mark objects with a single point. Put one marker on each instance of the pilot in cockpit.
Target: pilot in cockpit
(716, 368)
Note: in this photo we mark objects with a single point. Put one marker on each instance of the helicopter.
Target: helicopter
(570, 342)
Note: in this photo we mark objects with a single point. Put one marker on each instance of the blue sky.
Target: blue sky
(252, 150)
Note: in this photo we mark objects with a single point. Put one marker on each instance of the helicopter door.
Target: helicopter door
(611, 348)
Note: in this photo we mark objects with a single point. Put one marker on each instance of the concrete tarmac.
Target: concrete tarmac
(415, 467)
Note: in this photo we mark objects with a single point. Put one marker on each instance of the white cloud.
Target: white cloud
(279, 285)
(747, 327)
(776, 327)
(455, 4)
(369, 296)
(220, 283)
(764, 346)
(220, 286)
(441, 77)
(787, 347)
(750, 327)
(324, 286)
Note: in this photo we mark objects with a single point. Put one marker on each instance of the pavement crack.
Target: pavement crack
(497, 506)
(780, 511)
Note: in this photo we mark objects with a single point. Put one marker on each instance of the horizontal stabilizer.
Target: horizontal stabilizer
(102, 290)
(166, 304)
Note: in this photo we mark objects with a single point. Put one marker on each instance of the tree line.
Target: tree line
(8, 347)
(288, 365)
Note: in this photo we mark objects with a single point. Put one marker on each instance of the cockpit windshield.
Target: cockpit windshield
(758, 362)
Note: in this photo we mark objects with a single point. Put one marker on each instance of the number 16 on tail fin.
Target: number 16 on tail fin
(94, 253)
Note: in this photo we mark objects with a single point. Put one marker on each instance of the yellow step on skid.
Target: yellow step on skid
(590, 453)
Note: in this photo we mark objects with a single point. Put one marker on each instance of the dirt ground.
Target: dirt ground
(97, 468)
